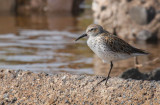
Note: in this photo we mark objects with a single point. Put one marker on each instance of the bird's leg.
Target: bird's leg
(105, 79)
(111, 66)
(136, 62)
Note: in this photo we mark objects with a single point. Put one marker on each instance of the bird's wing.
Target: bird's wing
(118, 45)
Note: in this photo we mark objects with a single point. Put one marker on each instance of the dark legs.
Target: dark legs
(136, 62)
(111, 66)
(105, 79)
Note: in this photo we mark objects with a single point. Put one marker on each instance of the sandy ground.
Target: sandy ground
(25, 87)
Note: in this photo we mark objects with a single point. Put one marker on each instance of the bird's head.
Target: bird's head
(92, 31)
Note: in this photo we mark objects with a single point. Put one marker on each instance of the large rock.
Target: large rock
(139, 15)
(136, 74)
(127, 18)
(144, 35)
(25, 87)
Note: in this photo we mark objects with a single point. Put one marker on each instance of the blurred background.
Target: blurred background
(38, 35)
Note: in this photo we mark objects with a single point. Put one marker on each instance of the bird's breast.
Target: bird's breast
(95, 44)
(103, 51)
(99, 47)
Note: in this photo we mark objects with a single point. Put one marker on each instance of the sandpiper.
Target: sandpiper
(109, 47)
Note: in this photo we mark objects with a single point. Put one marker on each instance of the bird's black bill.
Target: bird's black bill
(81, 37)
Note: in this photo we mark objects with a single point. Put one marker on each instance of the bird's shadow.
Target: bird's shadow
(134, 73)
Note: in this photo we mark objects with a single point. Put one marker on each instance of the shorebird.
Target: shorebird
(109, 47)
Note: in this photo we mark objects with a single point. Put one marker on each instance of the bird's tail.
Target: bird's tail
(140, 52)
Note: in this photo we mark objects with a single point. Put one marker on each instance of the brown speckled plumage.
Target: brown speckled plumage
(118, 45)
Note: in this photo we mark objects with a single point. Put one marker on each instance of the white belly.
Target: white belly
(103, 52)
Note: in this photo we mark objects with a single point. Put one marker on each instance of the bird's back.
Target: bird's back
(120, 46)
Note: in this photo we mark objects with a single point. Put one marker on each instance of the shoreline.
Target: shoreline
(19, 87)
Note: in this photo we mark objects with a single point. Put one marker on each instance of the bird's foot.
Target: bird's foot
(105, 79)
(138, 65)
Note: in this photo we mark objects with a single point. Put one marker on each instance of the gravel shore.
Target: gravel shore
(25, 87)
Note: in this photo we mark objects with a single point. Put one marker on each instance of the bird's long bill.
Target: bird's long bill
(81, 36)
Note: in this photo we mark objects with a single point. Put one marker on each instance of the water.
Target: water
(46, 43)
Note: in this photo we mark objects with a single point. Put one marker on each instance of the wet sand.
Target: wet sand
(25, 87)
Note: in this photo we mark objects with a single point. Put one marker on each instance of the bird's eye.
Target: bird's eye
(92, 29)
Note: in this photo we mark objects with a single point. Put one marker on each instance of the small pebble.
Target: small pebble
(67, 101)
(2, 103)
(90, 80)
(80, 77)
(14, 100)
(91, 103)
(64, 77)
(122, 102)
(5, 96)
(124, 96)
(141, 86)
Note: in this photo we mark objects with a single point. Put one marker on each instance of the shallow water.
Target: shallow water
(43, 43)
(46, 43)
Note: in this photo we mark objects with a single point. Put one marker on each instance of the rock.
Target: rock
(142, 15)
(144, 35)
(2, 103)
(139, 14)
(151, 12)
(128, 18)
(103, 8)
(134, 74)
(40, 91)
(14, 100)
(155, 75)
(81, 77)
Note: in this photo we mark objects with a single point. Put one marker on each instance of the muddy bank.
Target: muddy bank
(17, 87)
